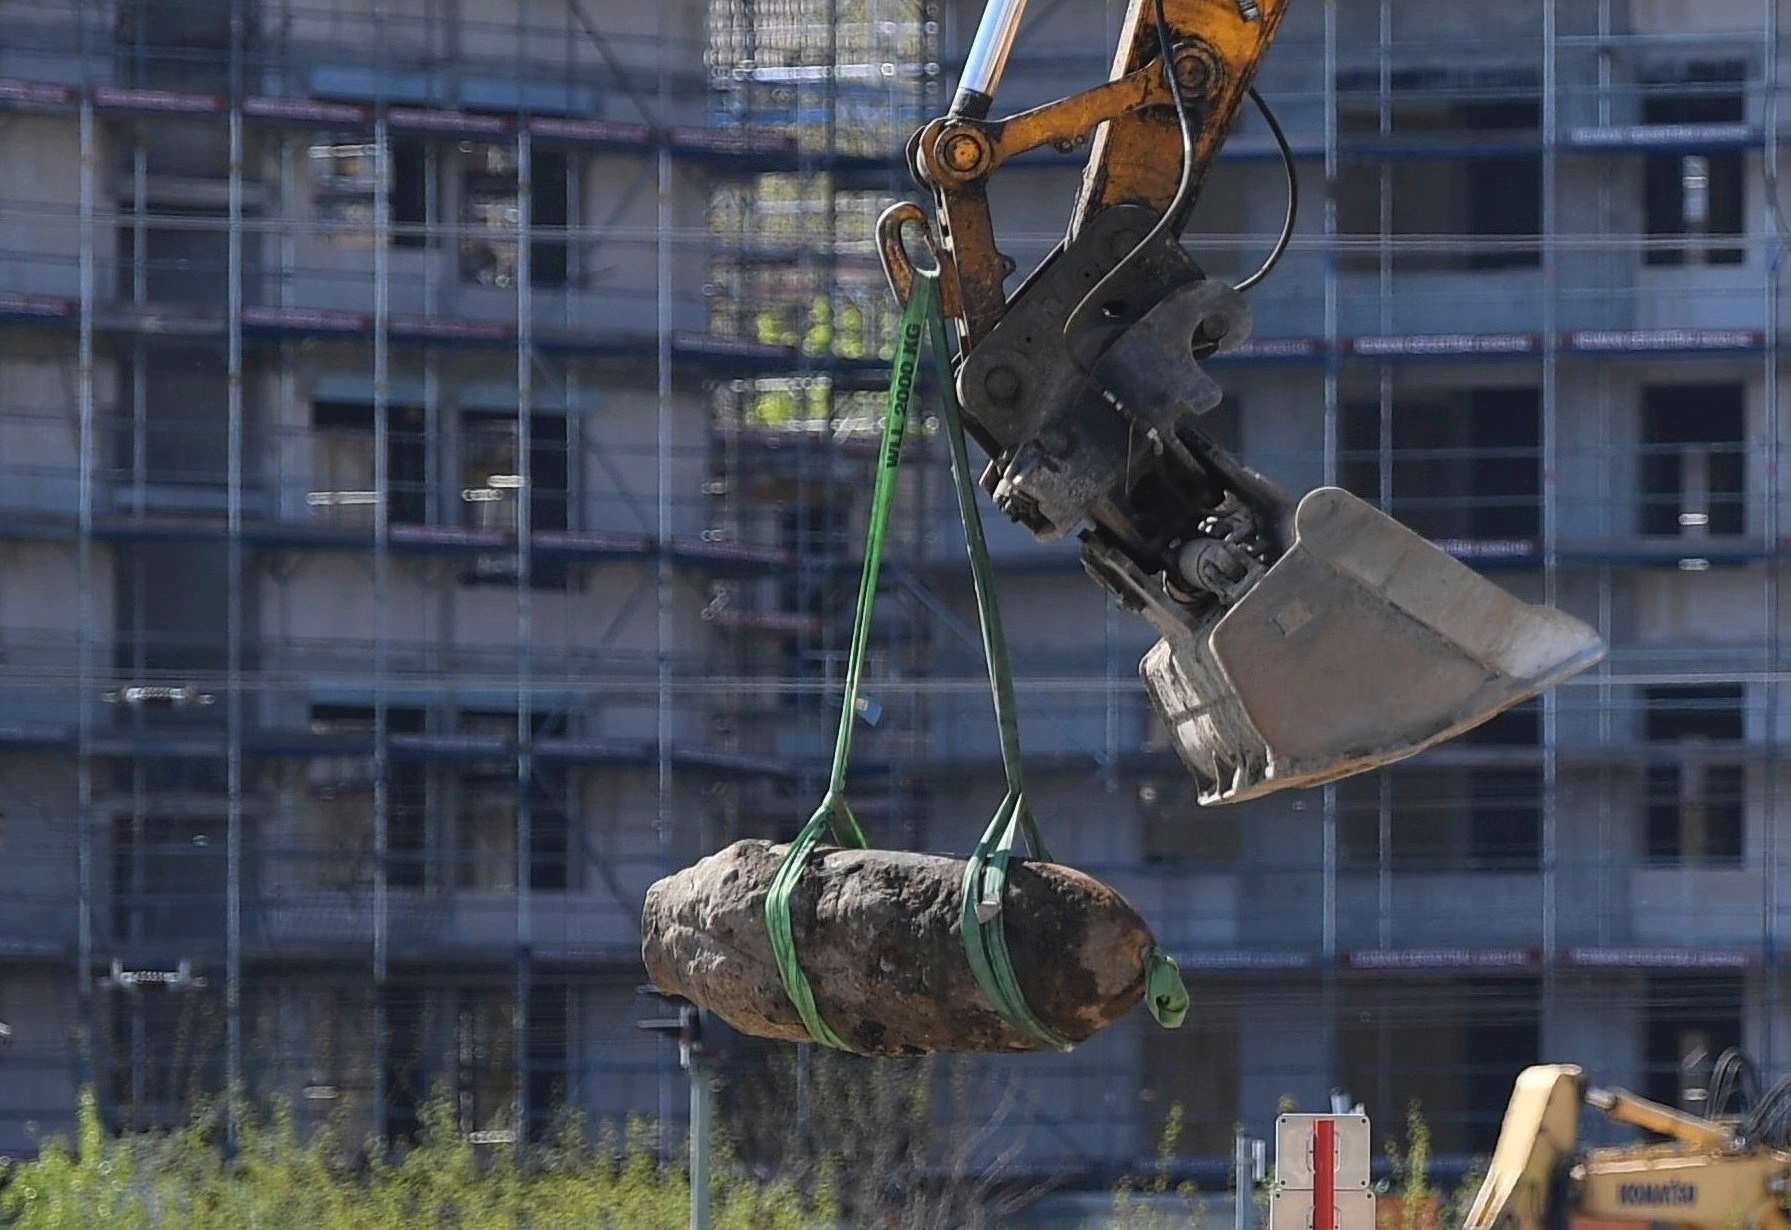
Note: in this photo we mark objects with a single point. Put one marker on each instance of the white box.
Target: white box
(1350, 1151)
(1290, 1208)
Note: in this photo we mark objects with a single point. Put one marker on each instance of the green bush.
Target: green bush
(182, 1180)
(1152, 1204)
(1422, 1206)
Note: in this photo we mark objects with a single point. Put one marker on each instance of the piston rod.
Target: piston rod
(988, 58)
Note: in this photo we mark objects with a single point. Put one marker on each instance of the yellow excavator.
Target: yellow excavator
(1728, 1169)
(1303, 640)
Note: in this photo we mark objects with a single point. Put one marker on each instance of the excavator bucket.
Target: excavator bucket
(1362, 645)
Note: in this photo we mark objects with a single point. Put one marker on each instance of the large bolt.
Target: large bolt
(1195, 70)
(961, 152)
(1002, 384)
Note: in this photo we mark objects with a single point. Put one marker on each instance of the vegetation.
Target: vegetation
(182, 1180)
(924, 1144)
(1412, 1171)
(838, 1141)
(842, 1141)
(1416, 1203)
(1153, 1204)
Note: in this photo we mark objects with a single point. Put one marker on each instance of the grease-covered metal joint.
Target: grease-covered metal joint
(1198, 69)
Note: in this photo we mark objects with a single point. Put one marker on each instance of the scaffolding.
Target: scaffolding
(431, 461)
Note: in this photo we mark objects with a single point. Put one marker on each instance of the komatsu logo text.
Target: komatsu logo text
(1676, 1194)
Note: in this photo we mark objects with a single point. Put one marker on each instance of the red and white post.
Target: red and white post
(1321, 1162)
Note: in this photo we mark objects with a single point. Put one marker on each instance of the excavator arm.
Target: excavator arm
(1302, 640)
(1219, 44)
(1131, 119)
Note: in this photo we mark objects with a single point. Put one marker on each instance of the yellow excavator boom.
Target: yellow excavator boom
(1538, 1136)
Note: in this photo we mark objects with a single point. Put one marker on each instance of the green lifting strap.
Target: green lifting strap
(985, 876)
(834, 809)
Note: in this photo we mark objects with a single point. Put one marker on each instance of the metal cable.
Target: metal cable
(1293, 194)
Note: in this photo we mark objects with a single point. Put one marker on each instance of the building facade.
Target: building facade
(435, 439)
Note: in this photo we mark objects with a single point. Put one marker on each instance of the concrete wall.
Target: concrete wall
(613, 264)
(39, 873)
(40, 234)
(40, 425)
(462, 52)
(40, 592)
(321, 1054)
(39, 1005)
(612, 481)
